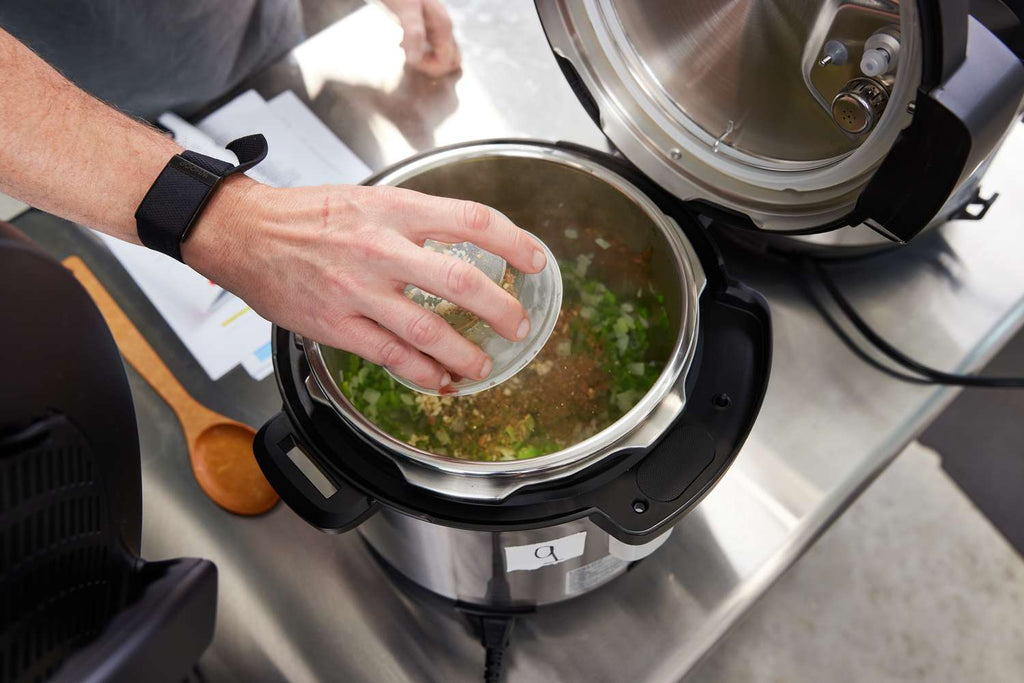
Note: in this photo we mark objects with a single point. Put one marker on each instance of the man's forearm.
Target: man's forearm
(67, 153)
(330, 263)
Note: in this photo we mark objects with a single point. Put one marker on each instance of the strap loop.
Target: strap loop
(176, 199)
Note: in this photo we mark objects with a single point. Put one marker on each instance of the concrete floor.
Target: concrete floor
(912, 583)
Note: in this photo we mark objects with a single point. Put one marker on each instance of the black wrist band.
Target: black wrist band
(176, 199)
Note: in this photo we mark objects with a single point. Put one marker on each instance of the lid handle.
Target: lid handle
(319, 499)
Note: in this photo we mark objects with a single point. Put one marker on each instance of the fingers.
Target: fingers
(423, 217)
(428, 41)
(369, 340)
(414, 41)
(428, 332)
(460, 221)
(435, 64)
(466, 286)
(444, 56)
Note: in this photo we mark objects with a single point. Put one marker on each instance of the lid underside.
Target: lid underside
(727, 100)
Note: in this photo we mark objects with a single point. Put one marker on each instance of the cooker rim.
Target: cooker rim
(638, 429)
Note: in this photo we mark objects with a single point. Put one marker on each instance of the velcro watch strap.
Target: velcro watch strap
(176, 199)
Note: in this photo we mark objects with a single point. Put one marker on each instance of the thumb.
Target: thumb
(414, 28)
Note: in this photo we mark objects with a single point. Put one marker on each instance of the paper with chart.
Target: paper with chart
(218, 328)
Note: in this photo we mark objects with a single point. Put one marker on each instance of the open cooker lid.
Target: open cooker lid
(726, 103)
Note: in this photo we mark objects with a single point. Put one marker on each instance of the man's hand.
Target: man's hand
(428, 43)
(331, 263)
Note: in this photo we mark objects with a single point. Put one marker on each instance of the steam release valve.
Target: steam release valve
(835, 53)
(859, 105)
(881, 52)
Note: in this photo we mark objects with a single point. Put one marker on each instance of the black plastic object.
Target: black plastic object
(686, 452)
(495, 634)
(733, 359)
(76, 602)
(330, 508)
(956, 126)
(160, 635)
(1005, 18)
(177, 197)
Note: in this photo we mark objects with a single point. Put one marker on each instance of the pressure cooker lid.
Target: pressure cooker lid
(781, 111)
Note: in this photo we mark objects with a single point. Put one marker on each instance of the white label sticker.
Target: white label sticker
(537, 555)
(591, 575)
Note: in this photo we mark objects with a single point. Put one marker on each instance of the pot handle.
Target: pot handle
(323, 502)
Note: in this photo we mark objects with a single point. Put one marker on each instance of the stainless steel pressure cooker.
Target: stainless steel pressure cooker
(782, 118)
(533, 531)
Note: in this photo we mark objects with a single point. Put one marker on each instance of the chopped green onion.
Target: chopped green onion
(524, 452)
(582, 263)
(625, 400)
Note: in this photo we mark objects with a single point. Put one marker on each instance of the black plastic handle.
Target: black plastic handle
(735, 362)
(956, 126)
(325, 503)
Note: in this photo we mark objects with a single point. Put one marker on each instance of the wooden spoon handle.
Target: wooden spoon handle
(137, 351)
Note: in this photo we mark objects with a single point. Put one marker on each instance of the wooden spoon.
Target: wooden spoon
(219, 448)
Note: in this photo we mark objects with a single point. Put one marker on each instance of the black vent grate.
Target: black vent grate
(61, 574)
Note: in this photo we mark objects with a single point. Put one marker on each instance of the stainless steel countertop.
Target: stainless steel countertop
(299, 605)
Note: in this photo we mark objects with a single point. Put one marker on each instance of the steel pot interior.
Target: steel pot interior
(568, 201)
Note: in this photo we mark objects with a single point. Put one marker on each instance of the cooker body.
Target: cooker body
(528, 533)
(502, 570)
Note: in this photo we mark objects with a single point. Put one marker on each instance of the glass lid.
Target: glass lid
(780, 109)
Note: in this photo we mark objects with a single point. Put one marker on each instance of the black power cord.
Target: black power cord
(807, 286)
(495, 633)
(924, 374)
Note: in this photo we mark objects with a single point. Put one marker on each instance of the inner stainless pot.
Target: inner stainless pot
(545, 189)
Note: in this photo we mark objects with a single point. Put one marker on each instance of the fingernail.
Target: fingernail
(539, 259)
(485, 370)
(523, 329)
(446, 379)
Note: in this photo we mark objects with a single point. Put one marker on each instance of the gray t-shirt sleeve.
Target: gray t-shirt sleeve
(155, 55)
